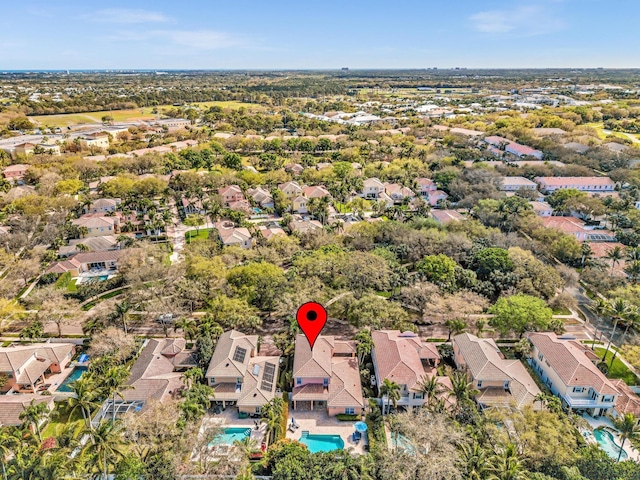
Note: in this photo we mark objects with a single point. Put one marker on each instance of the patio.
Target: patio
(319, 423)
(605, 422)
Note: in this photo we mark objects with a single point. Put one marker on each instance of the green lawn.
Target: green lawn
(203, 234)
(561, 311)
(60, 418)
(618, 369)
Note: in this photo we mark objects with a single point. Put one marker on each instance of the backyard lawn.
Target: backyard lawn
(193, 236)
(618, 369)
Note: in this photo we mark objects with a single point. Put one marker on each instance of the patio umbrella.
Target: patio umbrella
(360, 426)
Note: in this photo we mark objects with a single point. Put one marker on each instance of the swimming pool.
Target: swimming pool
(608, 444)
(402, 442)
(229, 435)
(322, 443)
(75, 374)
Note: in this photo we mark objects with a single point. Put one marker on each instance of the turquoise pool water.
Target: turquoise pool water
(608, 444)
(322, 443)
(229, 435)
(75, 374)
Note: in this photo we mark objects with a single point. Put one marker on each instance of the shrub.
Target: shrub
(345, 417)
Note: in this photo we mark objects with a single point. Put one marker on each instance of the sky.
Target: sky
(311, 34)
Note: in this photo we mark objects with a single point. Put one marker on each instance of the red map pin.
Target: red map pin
(312, 318)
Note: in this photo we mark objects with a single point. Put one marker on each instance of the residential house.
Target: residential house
(241, 206)
(192, 206)
(15, 173)
(294, 168)
(542, 209)
(98, 224)
(305, 226)
(291, 189)
(261, 196)
(94, 140)
(240, 375)
(398, 192)
(156, 375)
(515, 184)
(92, 244)
(500, 382)
(627, 401)
(576, 147)
(300, 204)
(270, 232)
(88, 263)
(28, 149)
(446, 216)
(316, 191)
(230, 194)
(28, 366)
(576, 227)
(11, 406)
(584, 184)
(501, 144)
(234, 236)
(437, 196)
(402, 357)
(569, 369)
(426, 186)
(327, 376)
(373, 189)
(103, 205)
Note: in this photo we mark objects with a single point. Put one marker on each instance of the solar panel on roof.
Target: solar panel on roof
(267, 377)
(239, 354)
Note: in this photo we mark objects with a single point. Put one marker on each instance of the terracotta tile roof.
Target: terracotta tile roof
(12, 358)
(398, 356)
(314, 363)
(345, 389)
(11, 406)
(317, 191)
(222, 362)
(484, 361)
(568, 358)
(310, 391)
(628, 401)
(581, 181)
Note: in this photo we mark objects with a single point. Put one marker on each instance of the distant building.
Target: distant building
(584, 184)
(514, 184)
(542, 209)
(446, 216)
(15, 173)
(232, 236)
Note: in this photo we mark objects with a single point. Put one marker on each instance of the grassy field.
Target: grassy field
(192, 236)
(599, 128)
(618, 369)
(67, 119)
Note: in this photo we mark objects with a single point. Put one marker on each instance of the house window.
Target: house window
(506, 384)
(540, 357)
(257, 409)
(479, 383)
(298, 381)
(325, 382)
(418, 396)
(10, 375)
(578, 389)
(350, 411)
(212, 380)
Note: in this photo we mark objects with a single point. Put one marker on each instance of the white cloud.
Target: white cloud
(524, 20)
(184, 41)
(126, 15)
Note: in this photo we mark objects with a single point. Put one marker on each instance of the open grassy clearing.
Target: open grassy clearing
(67, 119)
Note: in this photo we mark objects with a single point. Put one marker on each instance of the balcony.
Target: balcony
(585, 402)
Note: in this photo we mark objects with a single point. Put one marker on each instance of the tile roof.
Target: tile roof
(345, 389)
(314, 363)
(14, 357)
(628, 401)
(581, 181)
(485, 363)
(222, 362)
(11, 406)
(568, 358)
(398, 356)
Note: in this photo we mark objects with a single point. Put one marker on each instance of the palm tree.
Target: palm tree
(587, 252)
(628, 429)
(193, 375)
(122, 312)
(271, 414)
(455, 326)
(390, 390)
(105, 446)
(505, 465)
(188, 327)
(429, 387)
(84, 398)
(615, 255)
(633, 271)
(473, 459)
(7, 442)
(631, 320)
(113, 380)
(619, 309)
(541, 397)
(364, 344)
(34, 415)
(462, 389)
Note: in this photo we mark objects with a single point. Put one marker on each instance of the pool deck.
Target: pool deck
(319, 423)
(605, 422)
(229, 419)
